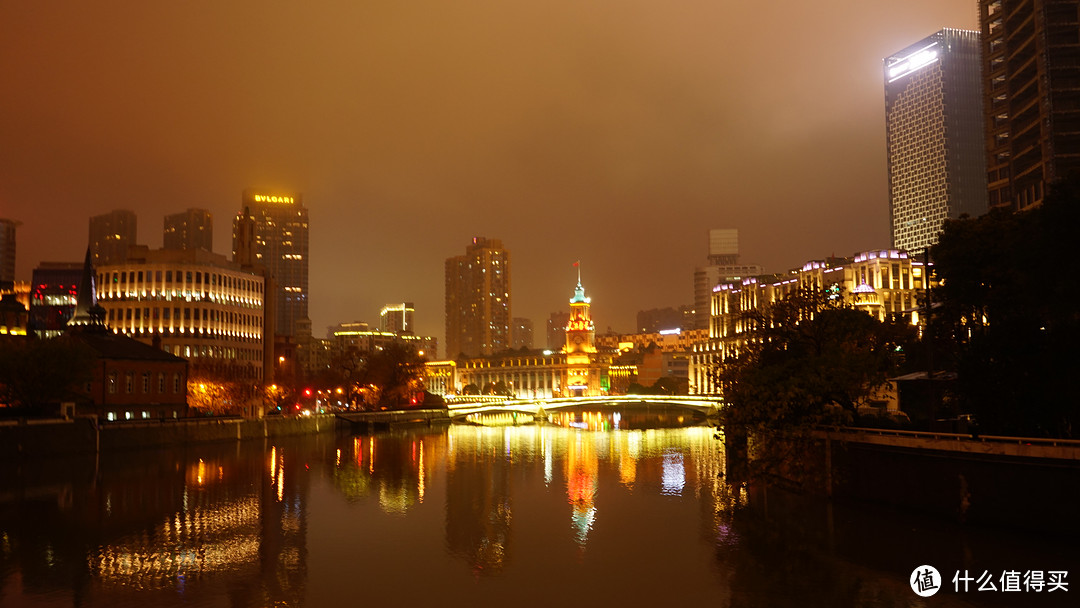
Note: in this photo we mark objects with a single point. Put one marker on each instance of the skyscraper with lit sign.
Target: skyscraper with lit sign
(478, 299)
(271, 230)
(934, 137)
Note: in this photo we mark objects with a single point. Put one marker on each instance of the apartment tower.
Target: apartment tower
(1031, 88)
(478, 300)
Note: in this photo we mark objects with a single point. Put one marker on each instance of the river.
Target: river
(625, 509)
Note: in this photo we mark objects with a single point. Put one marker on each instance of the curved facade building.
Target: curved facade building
(194, 304)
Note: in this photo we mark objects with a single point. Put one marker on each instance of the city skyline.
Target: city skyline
(646, 124)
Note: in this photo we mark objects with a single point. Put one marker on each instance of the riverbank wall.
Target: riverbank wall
(996, 481)
(38, 438)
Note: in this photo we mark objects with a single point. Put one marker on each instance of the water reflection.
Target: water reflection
(160, 528)
(483, 515)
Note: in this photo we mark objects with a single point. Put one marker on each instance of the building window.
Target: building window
(146, 382)
(127, 415)
(112, 383)
(161, 382)
(145, 414)
(176, 383)
(111, 416)
(129, 382)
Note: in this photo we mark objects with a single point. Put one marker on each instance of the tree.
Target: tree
(397, 373)
(1008, 315)
(35, 373)
(812, 359)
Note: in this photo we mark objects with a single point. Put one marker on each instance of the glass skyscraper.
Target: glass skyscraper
(934, 136)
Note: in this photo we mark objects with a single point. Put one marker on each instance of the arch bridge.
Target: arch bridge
(535, 407)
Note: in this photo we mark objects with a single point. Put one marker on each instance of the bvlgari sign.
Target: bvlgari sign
(267, 198)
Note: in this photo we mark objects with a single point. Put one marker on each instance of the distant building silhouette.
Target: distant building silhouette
(556, 330)
(7, 253)
(933, 132)
(191, 229)
(723, 267)
(522, 332)
(110, 236)
(478, 299)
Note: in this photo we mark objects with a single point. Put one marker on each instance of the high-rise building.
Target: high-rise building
(478, 299)
(191, 229)
(556, 330)
(397, 318)
(521, 332)
(933, 132)
(1031, 88)
(723, 267)
(7, 253)
(271, 231)
(110, 236)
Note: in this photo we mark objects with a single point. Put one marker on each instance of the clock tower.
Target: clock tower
(580, 330)
(581, 376)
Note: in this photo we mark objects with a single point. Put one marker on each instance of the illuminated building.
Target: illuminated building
(1031, 100)
(7, 253)
(191, 229)
(272, 231)
(723, 267)
(397, 318)
(110, 236)
(579, 370)
(478, 300)
(360, 338)
(882, 283)
(522, 332)
(129, 380)
(936, 160)
(194, 304)
(54, 291)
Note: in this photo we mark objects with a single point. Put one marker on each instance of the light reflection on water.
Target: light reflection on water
(519, 515)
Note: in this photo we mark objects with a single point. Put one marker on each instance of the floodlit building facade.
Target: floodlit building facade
(934, 138)
(193, 304)
(883, 283)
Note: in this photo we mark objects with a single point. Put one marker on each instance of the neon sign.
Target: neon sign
(265, 198)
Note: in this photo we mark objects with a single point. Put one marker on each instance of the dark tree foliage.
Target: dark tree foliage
(36, 373)
(397, 372)
(1008, 310)
(813, 360)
